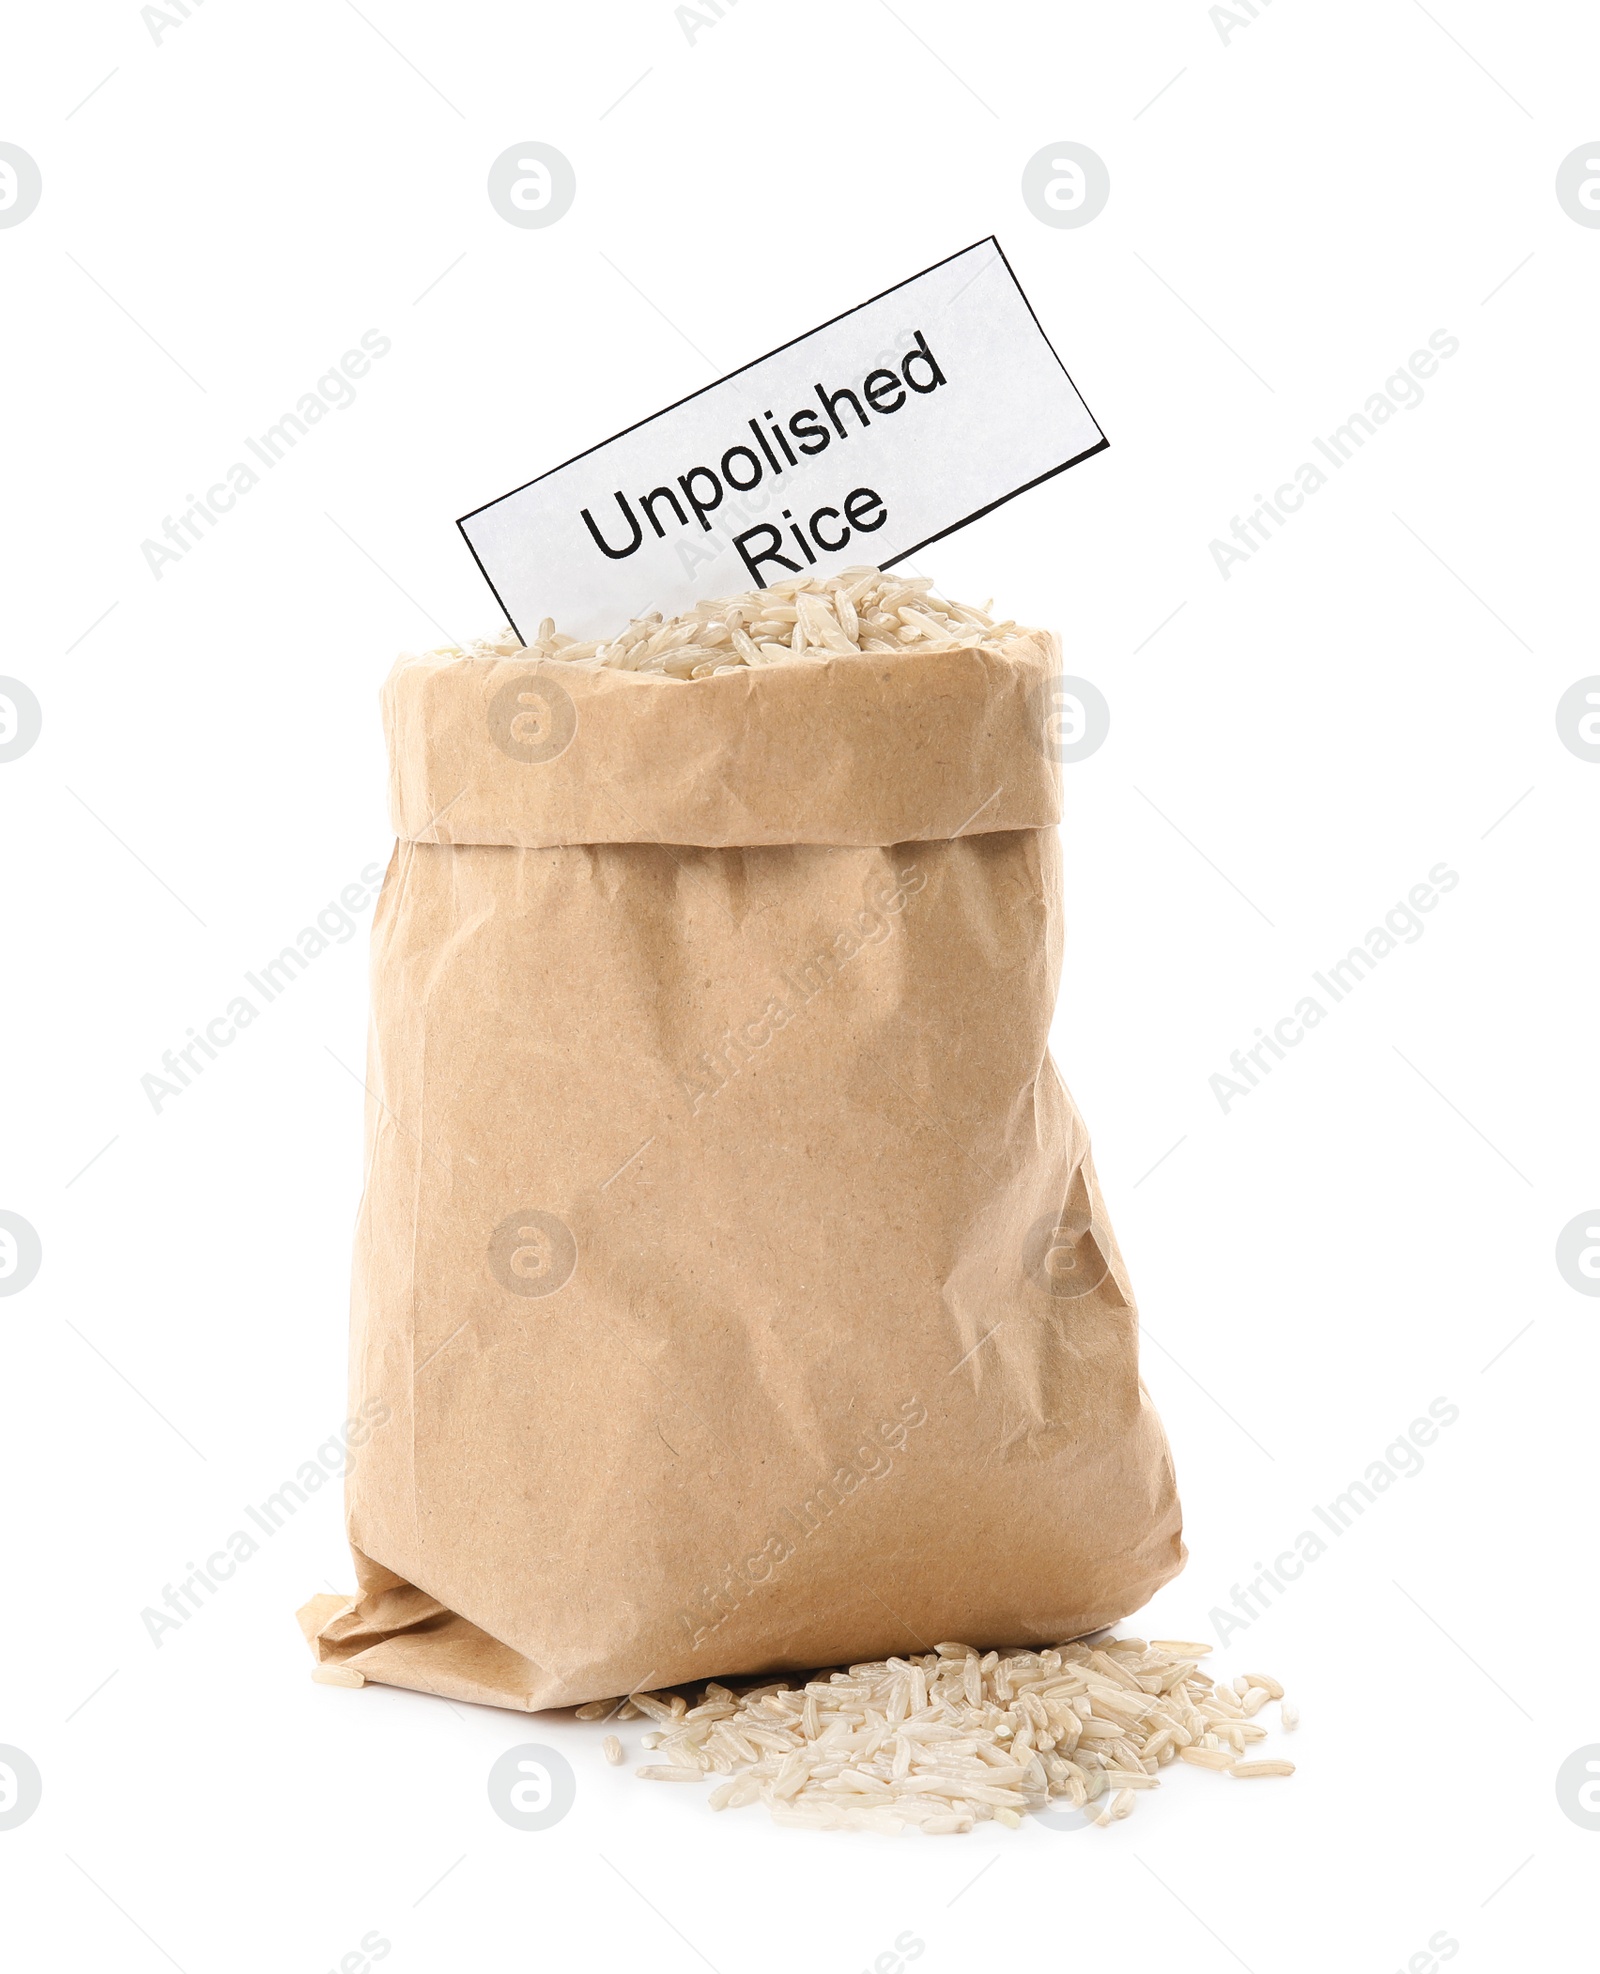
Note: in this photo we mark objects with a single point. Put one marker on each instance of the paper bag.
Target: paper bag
(733, 1292)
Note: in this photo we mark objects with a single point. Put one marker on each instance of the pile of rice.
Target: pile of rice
(806, 618)
(955, 1737)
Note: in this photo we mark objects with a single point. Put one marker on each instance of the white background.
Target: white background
(1289, 753)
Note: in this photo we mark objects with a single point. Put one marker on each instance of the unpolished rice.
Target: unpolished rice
(1206, 1757)
(802, 620)
(944, 1740)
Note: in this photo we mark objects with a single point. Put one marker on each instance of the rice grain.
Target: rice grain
(801, 620)
(946, 1739)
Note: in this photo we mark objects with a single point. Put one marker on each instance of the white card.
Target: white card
(862, 442)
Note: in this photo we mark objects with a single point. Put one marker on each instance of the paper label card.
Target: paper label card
(861, 442)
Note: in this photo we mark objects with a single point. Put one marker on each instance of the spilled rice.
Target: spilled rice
(954, 1737)
(804, 619)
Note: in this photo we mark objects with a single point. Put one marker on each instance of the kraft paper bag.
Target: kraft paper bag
(733, 1292)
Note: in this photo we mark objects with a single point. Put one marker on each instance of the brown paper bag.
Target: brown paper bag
(733, 1291)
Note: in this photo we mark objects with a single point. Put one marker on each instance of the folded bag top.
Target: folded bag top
(871, 749)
